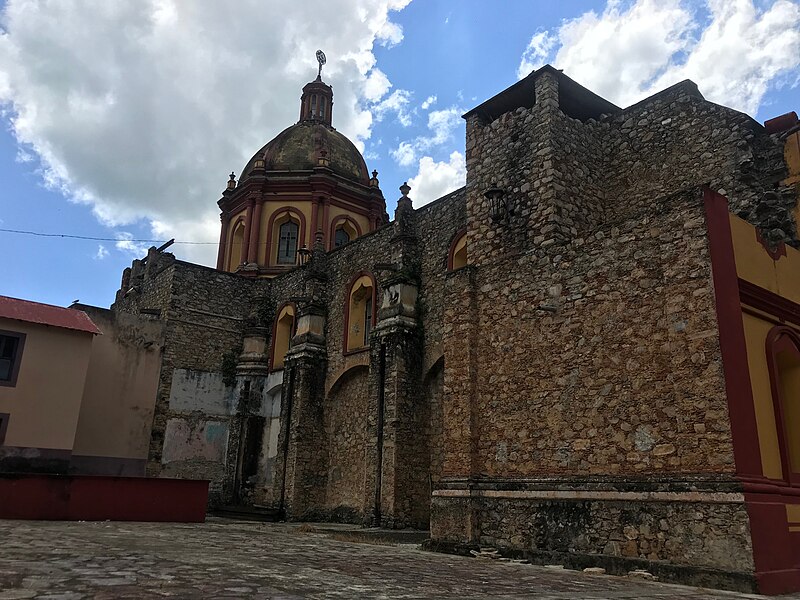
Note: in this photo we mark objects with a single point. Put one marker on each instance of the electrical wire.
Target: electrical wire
(96, 239)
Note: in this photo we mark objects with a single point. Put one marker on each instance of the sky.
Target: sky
(122, 120)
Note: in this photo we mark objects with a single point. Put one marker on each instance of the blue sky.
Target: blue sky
(122, 120)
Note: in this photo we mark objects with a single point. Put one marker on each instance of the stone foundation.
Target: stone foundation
(694, 531)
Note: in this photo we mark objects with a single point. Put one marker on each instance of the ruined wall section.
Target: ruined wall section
(676, 139)
(203, 311)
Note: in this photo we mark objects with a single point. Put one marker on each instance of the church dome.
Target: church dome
(299, 147)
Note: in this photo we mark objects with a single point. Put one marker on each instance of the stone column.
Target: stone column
(459, 464)
(301, 469)
(255, 223)
(397, 483)
(248, 227)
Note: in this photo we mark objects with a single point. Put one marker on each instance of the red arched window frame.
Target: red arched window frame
(275, 330)
(348, 292)
(453, 243)
(271, 255)
(782, 339)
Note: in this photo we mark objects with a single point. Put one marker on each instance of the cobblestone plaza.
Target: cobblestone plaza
(228, 559)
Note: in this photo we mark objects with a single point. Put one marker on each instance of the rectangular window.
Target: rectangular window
(3, 426)
(11, 344)
(367, 319)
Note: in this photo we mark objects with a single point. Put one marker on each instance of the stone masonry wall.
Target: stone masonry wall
(203, 311)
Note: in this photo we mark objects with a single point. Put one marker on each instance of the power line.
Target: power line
(96, 239)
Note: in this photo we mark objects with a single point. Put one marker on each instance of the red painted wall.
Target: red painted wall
(90, 498)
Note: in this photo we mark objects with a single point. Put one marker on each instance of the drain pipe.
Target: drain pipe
(285, 449)
(379, 465)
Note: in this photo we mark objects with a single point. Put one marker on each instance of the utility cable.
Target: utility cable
(95, 239)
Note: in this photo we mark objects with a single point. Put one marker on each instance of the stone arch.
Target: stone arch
(345, 411)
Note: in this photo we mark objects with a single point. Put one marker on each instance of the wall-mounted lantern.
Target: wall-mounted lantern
(500, 203)
(303, 254)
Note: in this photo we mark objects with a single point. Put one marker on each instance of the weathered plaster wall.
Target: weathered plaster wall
(113, 434)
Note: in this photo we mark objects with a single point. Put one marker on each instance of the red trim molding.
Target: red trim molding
(741, 409)
(770, 302)
(782, 339)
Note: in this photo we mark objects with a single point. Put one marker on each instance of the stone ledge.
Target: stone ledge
(737, 581)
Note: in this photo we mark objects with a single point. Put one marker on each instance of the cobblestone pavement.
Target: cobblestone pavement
(230, 559)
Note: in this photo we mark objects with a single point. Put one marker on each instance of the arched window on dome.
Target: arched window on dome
(340, 237)
(236, 252)
(313, 105)
(287, 242)
(343, 229)
(322, 107)
(457, 256)
(282, 334)
(360, 314)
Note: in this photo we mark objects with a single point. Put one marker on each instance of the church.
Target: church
(589, 355)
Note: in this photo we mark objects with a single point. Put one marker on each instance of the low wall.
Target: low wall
(91, 498)
(694, 532)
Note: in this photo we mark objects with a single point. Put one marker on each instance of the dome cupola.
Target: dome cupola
(308, 181)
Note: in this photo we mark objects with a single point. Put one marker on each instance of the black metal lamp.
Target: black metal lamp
(499, 202)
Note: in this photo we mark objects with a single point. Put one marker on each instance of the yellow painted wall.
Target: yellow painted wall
(782, 277)
(755, 331)
(791, 154)
(283, 335)
(753, 264)
(45, 403)
(460, 253)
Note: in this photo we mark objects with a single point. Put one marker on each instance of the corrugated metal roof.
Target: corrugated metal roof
(46, 314)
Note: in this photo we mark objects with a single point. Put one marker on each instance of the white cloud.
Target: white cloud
(376, 85)
(404, 154)
(428, 102)
(140, 109)
(631, 51)
(435, 179)
(536, 53)
(442, 124)
(127, 244)
(101, 252)
(397, 102)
